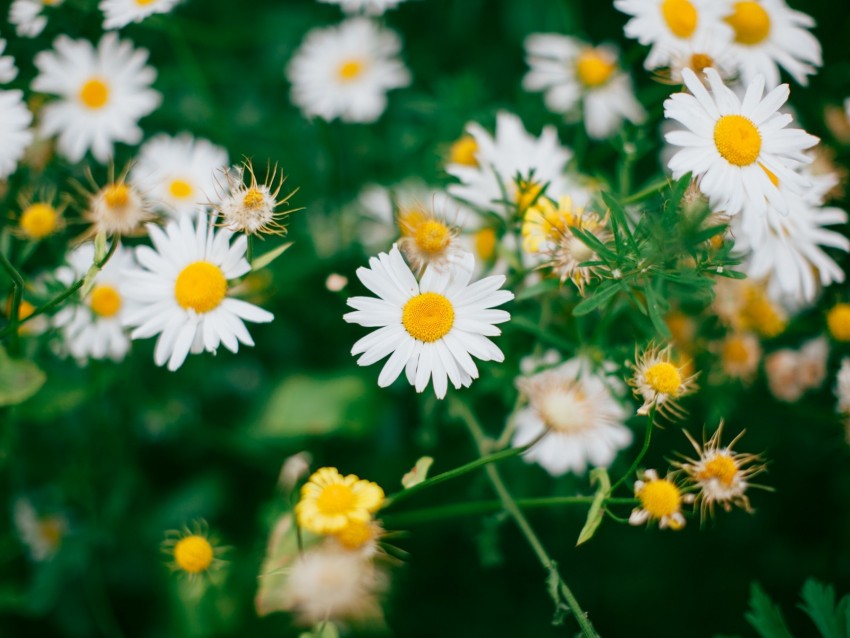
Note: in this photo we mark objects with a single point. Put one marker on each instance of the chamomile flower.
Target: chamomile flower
(736, 149)
(345, 71)
(698, 54)
(513, 152)
(667, 24)
(660, 381)
(41, 534)
(252, 208)
(41, 216)
(8, 70)
(791, 373)
(660, 500)
(428, 328)
(93, 329)
(769, 34)
(120, 13)
(428, 239)
(182, 289)
(104, 92)
(369, 7)
(330, 501)
(193, 550)
(117, 208)
(740, 354)
(584, 419)
(28, 18)
(15, 120)
(576, 76)
(178, 173)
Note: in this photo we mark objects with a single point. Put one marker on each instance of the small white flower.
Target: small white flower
(573, 74)
(369, 7)
(345, 71)
(698, 54)
(41, 534)
(428, 327)
(584, 419)
(769, 34)
(104, 92)
(120, 13)
(178, 173)
(93, 329)
(182, 288)
(27, 16)
(8, 70)
(15, 120)
(735, 148)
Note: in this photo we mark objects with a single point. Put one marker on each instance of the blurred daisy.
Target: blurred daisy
(42, 535)
(428, 239)
(838, 321)
(40, 216)
(660, 500)
(182, 288)
(178, 173)
(513, 152)
(252, 208)
(698, 54)
(27, 17)
(737, 150)
(345, 71)
(330, 501)
(740, 354)
(120, 13)
(193, 551)
(769, 34)
(428, 327)
(791, 373)
(15, 120)
(118, 208)
(667, 24)
(573, 74)
(660, 381)
(584, 420)
(104, 91)
(8, 70)
(93, 329)
(369, 7)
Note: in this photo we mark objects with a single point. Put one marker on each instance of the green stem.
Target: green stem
(560, 590)
(650, 423)
(17, 296)
(646, 192)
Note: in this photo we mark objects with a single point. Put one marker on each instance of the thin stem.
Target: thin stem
(646, 192)
(17, 296)
(511, 507)
(650, 425)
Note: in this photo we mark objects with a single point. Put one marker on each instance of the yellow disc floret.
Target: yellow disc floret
(39, 220)
(750, 22)
(660, 498)
(722, 468)
(428, 317)
(253, 198)
(463, 151)
(664, 378)
(350, 70)
(356, 534)
(735, 350)
(94, 94)
(200, 286)
(838, 321)
(116, 195)
(330, 502)
(105, 301)
(180, 189)
(737, 140)
(594, 69)
(681, 17)
(432, 236)
(193, 554)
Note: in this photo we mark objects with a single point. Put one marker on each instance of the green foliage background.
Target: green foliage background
(129, 451)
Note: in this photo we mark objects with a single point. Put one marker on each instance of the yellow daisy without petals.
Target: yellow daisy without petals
(661, 381)
(330, 501)
(660, 500)
(192, 551)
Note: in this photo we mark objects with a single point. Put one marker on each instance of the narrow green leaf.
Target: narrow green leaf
(599, 297)
(819, 604)
(19, 379)
(618, 216)
(654, 310)
(764, 616)
(595, 515)
(267, 258)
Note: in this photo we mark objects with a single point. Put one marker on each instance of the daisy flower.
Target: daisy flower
(721, 474)
(584, 420)
(93, 329)
(40, 216)
(698, 54)
(369, 7)
(736, 149)
(15, 120)
(178, 173)
(252, 208)
(660, 381)
(769, 34)
(427, 238)
(573, 74)
(429, 328)
(42, 535)
(193, 551)
(740, 354)
(345, 71)
(120, 13)
(838, 321)
(8, 70)
(118, 208)
(26, 16)
(182, 288)
(513, 152)
(330, 501)
(660, 500)
(667, 24)
(104, 92)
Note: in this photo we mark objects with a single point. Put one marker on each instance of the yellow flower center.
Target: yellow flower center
(838, 321)
(761, 315)
(527, 194)
(253, 198)
(463, 151)
(681, 17)
(409, 221)
(356, 534)
(143, 3)
(663, 377)
(193, 554)
(485, 243)
(52, 530)
(735, 350)
(564, 410)
(105, 301)
(200, 286)
(350, 70)
(432, 236)
(722, 467)
(700, 62)
(94, 94)
(116, 195)
(180, 189)
(660, 498)
(737, 140)
(336, 499)
(39, 220)
(750, 22)
(594, 69)
(428, 317)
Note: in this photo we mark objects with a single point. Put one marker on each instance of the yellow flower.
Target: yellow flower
(192, 551)
(330, 501)
(660, 500)
(660, 380)
(838, 321)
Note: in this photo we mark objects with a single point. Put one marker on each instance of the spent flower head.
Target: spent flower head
(661, 500)
(252, 207)
(661, 381)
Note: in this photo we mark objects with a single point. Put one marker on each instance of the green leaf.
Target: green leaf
(602, 294)
(619, 218)
(764, 616)
(19, 379)
(267, 258)
(653, 308)
(596, 513)
(819, 604)
(419, 472)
